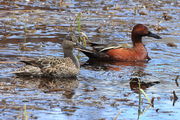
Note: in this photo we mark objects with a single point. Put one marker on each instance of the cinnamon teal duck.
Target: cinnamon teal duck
(118, 52)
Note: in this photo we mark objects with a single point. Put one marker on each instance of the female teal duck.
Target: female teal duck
(52, 66)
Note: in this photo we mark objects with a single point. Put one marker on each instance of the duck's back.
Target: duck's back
(64, 67)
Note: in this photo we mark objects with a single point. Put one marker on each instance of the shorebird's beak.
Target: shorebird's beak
(150, 34)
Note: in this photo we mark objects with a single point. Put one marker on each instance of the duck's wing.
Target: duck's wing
(28, 70)
(48, 67)
(115, 46)
(42, 61)
(33, 67)
(99, 50)
(65, 68)
(103, 47)
(87, 51)
(92, 53)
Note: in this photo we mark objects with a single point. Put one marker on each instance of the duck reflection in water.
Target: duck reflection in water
(137, 81)
(114, 65)
(64, 86)
(136, 69)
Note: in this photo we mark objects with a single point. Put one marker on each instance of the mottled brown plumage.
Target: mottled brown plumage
(52, 66)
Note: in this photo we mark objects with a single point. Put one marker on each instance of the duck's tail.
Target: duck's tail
(28, 70)
(88, 52)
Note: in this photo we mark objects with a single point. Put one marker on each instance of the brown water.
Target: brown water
(101, 91)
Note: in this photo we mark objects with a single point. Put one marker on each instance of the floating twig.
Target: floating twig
(175, 98)
(152, 102)
(177, 77)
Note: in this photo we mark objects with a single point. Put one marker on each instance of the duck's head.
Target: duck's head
(68, 45)
(140, 30)
(68, 51)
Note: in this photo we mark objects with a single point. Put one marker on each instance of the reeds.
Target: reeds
(25, 113)
(142, 92)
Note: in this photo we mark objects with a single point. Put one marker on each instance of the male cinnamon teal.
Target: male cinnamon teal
(52, 66)
(114, 52)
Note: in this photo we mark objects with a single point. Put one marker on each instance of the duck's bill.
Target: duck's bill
(154, 35)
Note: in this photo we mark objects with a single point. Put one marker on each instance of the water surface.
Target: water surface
(101, 91)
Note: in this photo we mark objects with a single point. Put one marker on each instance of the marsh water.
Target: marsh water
(102, 91)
